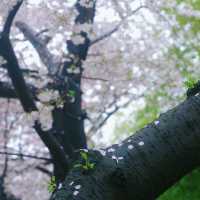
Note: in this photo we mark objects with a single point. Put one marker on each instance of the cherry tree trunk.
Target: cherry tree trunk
(144, 165)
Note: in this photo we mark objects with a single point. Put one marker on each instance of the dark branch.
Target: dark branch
(105, 35)
(86, 12)
(14, 71)
(44, 170)
(25, 71)
(7, 91)
(25, 156)
(53, 145)
(10, 17)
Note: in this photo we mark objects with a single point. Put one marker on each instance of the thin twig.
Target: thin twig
(116, 28)
(95, 78)
(25, 155)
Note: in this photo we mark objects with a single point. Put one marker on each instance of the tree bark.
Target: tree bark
(144, 165)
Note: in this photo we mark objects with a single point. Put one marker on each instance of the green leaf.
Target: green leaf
(91, 165)
(52, 184)
(77, 165)
(84, 155)
(71, 93)
(85, 167)
(190, 83)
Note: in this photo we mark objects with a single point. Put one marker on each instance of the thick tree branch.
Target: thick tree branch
(144, 165)
(7, 51)
(10, 18)
(86, 11)
(53, 145)
(7, 91)
(73, 128)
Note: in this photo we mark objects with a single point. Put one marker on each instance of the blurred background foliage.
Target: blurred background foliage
(185, 51)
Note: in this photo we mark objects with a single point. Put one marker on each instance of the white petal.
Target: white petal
(141, 143)
(130, 147)
(75, 193)
(77, 187)
(71, 183)
(59, 186)
(111, 150)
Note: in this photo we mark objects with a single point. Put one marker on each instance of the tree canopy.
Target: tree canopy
(78, 77)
